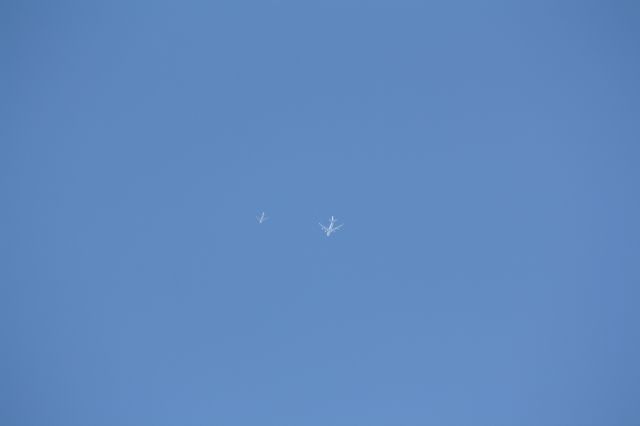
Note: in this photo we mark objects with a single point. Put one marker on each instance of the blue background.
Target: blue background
(482, 155)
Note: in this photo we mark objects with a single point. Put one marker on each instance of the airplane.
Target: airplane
(262, 218)
(331, 228)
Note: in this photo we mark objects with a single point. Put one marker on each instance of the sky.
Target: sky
(483, 157)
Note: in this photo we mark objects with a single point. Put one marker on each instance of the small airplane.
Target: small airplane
(262, 218)
(331, 228)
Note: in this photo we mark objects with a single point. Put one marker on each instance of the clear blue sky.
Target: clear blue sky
(483, 157)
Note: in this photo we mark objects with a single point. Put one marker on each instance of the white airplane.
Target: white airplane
(331, 228)
(262, 218)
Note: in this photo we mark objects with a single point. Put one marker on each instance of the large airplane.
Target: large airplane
(262, 218)
(331, 228)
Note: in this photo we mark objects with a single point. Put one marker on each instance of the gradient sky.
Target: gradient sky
(484, 157)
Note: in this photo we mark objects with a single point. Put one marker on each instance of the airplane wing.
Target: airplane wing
(338, 227)
(324, 228)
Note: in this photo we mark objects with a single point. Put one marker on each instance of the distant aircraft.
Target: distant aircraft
(331, 228)
(262, 218)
